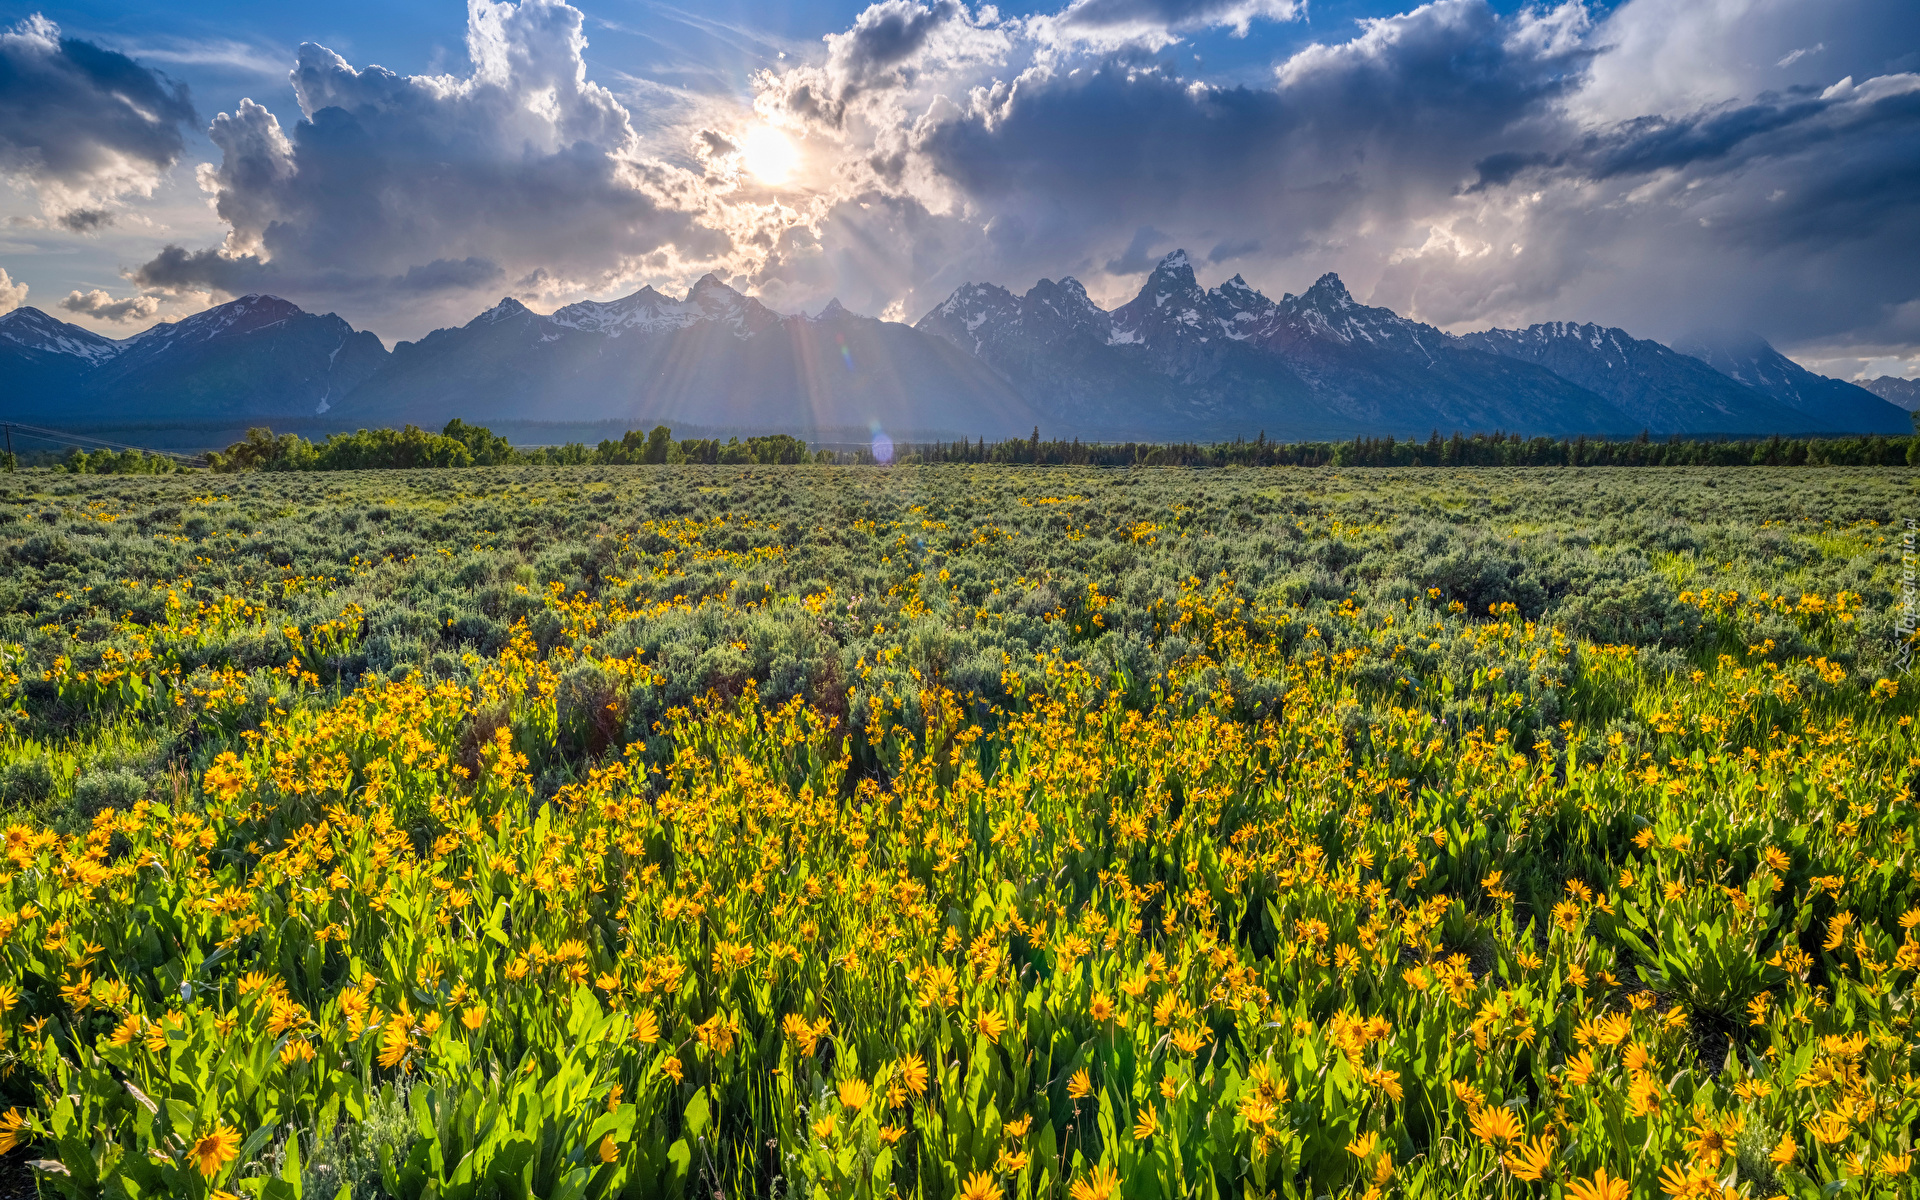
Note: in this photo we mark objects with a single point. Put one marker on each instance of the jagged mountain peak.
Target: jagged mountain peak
(650, 311)
(507, 309)
(1329, 293)
(1172, 277)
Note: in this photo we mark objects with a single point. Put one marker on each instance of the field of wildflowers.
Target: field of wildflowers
(958, 832)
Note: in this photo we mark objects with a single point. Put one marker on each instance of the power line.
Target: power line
(63, 437)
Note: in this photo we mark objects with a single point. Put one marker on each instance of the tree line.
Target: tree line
(462, 445)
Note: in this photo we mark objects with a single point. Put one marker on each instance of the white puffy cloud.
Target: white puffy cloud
(82, 127)
(103, 307)
(401, 200)
(12, 295)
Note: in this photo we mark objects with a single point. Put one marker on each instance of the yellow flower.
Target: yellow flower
(646, 1027)
(990, 1024)
(1530, 1161)
(1600, 1187)
(609, 1152)
(1101, 1007)
(79, 993)
(214, 1150)
(1080, 1086)
(1695, 1182)
(394, 1043)
(1496, 1124)
(913, 1072)
(1103, 1184)
(1643, 1096)
(1831, 1129)
(1785, 1152)
(1580, 1069)
(1146, 1124)
(854, 1094)
(1362, 1146)
(1895, 1164)
(978, 1186)
(889, 1134)
(15, 1126)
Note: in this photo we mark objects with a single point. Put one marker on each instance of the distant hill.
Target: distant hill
(1176, 362)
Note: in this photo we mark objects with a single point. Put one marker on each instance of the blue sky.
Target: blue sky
(1673, 166)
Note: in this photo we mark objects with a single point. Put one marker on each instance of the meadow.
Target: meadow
(958, 831)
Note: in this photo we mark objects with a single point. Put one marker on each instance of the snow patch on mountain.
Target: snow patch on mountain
(31, 329)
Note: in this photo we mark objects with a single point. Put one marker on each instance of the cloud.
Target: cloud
(12, 295)
(1792, 57)
(1159, 22)
(894, 49)
(399, 199)
(103, 307)
(84, 127)
(1460, 163)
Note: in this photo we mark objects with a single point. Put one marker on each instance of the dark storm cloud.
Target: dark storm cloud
(83, 125)
(1398, 113)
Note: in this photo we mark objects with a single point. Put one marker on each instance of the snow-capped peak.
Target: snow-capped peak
(1328, 292)
(507, 309)
(648, 311)
(31, 329)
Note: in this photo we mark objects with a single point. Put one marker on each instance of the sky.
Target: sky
(1678, 168)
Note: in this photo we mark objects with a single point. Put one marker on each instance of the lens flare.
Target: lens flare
(769, 155)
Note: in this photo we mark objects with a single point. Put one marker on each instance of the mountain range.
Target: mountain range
(1178, 361)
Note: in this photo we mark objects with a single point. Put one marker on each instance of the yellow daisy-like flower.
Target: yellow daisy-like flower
(214, 1150)
(1146, 1125)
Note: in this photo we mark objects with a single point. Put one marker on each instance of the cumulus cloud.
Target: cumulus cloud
(81, 126)
(1652, 164)
(401, 199)
(12, 295)
(1465, 165)
(103, 307)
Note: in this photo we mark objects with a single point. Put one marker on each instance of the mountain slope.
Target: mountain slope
(43, 361)
(1824, 405)
(716, 358)
(258, 357)
(1656, 387)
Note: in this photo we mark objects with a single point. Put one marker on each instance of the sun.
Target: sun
(769, 155)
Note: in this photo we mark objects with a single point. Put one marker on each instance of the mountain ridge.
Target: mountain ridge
(1176, 361)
